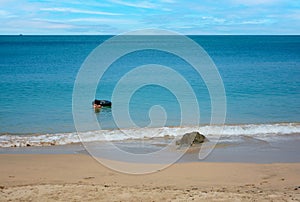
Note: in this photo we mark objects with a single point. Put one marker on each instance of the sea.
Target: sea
(260, 75)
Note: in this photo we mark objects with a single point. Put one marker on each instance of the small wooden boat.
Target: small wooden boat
(101, 103)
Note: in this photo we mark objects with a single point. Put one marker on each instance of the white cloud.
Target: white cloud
(5, 2)
(213, 19)
(38, 24)
(71, 10)
(102, 20)
(5, 14)
(168, 1)
(295, 15)
(255, 22)
(139, 4)
(255, 2)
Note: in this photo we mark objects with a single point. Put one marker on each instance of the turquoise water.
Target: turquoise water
(261, 75)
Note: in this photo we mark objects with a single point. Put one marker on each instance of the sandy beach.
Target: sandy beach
(78, 177)
(149, 101)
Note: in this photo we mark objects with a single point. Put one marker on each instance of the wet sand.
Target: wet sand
(78, 177)
(248, 150)
(248, 170)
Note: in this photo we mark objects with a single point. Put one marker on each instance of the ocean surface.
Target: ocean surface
(261, 76)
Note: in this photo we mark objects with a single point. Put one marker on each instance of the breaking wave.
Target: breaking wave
(261, 131)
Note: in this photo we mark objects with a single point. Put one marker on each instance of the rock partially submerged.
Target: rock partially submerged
(189, 139)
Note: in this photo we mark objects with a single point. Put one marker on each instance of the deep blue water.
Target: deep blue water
(261, 75)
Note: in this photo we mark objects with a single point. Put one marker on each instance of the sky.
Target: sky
(118, 16)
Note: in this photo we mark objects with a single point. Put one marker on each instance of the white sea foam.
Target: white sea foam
(262, 131)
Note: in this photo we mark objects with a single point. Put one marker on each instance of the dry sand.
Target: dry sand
(78, 177)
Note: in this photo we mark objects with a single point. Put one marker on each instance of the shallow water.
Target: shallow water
(248, 150)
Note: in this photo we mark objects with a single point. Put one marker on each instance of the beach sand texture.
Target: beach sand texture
(78, 177)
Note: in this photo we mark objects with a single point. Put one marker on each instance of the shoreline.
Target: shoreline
(248, 150)
(264, 131)
(77, 177)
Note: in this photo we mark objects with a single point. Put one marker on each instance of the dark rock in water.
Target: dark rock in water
(191, 138)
